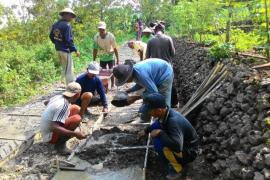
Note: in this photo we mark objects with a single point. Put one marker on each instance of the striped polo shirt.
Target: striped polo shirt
(57, 111)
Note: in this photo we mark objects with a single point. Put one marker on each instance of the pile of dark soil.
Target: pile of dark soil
(190, 68)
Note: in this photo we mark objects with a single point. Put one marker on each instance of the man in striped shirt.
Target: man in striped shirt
(60, 118)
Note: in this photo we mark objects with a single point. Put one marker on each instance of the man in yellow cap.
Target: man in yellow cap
(61, 36)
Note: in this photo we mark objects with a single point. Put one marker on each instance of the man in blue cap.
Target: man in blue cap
(91, 84)
(175, 140)
(154, 75)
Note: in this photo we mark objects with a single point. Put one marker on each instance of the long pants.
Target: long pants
(71, 123)
(173, 161)
(67, 66)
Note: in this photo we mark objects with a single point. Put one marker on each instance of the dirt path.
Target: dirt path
(34, 159)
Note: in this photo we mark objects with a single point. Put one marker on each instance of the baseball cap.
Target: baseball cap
(147, 30)
(93, 68)
(153, 101)
(101, 25)
(72, 89)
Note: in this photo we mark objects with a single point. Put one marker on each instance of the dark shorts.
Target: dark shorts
(103, 64)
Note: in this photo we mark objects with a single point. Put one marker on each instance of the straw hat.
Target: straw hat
(147, 30)
(67, 10)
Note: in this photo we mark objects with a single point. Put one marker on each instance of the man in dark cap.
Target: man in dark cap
(154, 75)
(61, 36)
(175, 140)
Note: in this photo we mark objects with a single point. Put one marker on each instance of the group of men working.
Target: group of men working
(174, 138)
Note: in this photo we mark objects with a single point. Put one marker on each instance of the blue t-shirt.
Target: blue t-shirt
(92, 85)
(150, 74)
(61, 36)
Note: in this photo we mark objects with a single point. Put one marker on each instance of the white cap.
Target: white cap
(101, 25)
(93, 68)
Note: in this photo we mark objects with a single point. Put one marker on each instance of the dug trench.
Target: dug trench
(231, 124)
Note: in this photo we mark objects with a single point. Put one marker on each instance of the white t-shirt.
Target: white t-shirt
(108, 44)
(57, 111)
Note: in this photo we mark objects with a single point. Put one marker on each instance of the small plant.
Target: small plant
(220, 51)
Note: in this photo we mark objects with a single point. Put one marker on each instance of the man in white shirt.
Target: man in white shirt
(139, 48)
(60, 118)
(104, 47)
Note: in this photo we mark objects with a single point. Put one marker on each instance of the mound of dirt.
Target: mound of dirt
(190, 68)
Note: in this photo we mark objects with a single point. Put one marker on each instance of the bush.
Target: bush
(220, 51)
(23, 71)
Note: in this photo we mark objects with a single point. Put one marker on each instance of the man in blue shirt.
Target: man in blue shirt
(91, 84)
(155, 75)
(61, 36)
(174, 138)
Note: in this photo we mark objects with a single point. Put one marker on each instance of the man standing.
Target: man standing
(91, 84)
(105, 46)
(175, 140)
(61, 36)
(155, 75)
(161, 46)
(60, 118)
(139, 48)
(147, 35)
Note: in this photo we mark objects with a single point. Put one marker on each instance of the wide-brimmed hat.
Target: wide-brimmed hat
(93, 68)
(67, 10)
(122, 73)
(102, 25)
(153, 101)
(72, 89)
(147, 30)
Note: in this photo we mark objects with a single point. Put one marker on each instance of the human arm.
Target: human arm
(148, 50)
(172, 49)
(132, 99)
(136, 87)
(116, 55)
(95, 51)
(141, 54)
(175, 140)
(63, 131)
(69, 40)
(51, 36)
(114, 46)
(101, 92)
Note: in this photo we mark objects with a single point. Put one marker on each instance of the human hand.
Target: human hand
(131, 99)
(105, 111)
(80, 135)
(77, 53)
(155, 132)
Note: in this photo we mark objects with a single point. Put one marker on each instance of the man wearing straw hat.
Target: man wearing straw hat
(60, 118)
(61, 36)
(147, 35)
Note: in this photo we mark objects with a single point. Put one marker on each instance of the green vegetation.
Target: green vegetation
(28, 60)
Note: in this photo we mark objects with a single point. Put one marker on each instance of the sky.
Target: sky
(9, 2)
